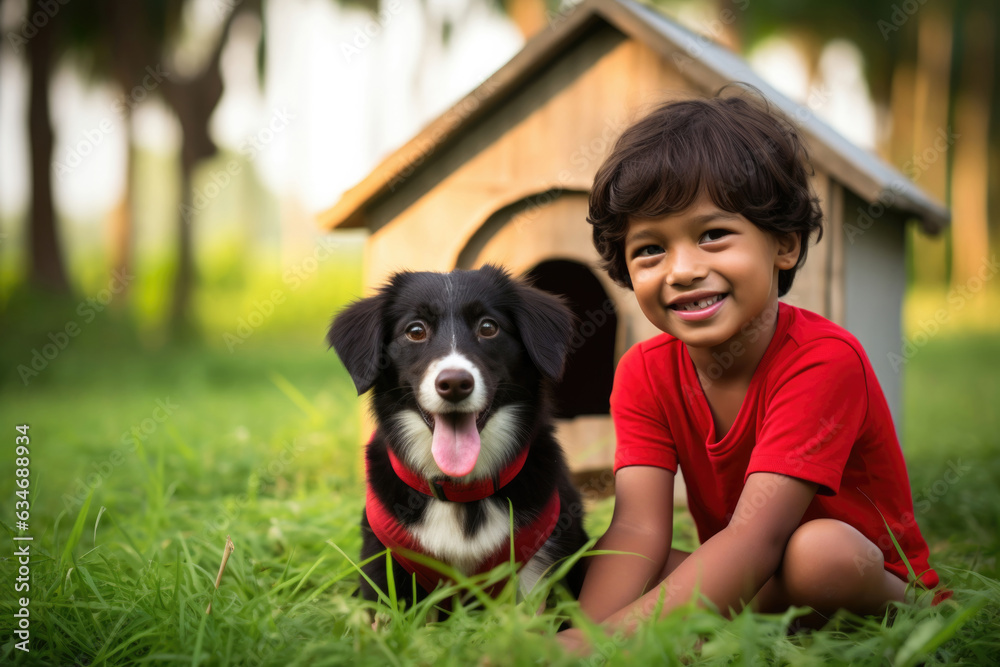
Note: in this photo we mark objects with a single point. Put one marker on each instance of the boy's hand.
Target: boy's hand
(733, 564)
(574, 641)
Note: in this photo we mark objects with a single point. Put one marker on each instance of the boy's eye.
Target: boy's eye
(649, 251)
(715, 234)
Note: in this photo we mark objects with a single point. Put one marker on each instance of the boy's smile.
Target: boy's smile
(697, 306)
(704, 274)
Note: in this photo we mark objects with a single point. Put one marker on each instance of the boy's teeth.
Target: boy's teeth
(698, 305)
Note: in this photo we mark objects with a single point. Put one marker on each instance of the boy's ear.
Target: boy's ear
(356, 334)
(789, 247)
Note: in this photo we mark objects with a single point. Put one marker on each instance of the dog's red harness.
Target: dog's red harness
(394, 535)
(442, 489)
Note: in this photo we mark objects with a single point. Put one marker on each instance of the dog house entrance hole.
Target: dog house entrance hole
(585, 388)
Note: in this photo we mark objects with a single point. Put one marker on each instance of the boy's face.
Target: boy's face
(679, 261)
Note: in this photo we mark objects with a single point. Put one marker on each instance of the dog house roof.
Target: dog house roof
(860, 171)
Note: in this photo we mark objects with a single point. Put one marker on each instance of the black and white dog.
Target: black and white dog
(461, 365)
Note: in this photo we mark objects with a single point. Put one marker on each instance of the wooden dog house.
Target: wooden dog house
(503, 176)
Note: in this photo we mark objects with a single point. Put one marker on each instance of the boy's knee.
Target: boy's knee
(826, 559)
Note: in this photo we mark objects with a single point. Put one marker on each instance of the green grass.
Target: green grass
(262, 444)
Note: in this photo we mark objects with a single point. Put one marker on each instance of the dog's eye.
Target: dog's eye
(488, 328)
(416, 331)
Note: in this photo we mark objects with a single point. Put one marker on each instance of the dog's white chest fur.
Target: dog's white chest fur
(440, 533)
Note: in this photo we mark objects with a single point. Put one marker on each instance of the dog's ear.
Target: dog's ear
(356, 334)
(546, 325)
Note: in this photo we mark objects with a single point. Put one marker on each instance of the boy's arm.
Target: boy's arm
(732, 566)
(642, 523)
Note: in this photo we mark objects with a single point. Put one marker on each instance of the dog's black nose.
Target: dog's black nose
(454, 384)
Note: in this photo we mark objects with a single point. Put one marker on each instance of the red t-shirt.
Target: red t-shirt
(814, 410)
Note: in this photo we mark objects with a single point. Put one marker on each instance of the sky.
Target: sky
(343, 88)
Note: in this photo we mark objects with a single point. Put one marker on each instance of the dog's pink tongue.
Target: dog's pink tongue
(455, 443)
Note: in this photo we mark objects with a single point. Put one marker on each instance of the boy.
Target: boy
(774, 413)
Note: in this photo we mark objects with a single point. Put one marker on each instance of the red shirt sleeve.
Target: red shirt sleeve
(641, 431)
(815, 410)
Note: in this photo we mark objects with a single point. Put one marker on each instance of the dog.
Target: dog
(461, 366)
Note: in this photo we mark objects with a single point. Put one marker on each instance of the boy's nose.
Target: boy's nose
(685, 266)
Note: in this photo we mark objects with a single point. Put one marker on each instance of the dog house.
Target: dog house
(504, 175)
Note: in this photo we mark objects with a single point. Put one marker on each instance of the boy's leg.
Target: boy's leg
(828, 565)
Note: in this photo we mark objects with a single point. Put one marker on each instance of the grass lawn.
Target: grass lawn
(144, 458)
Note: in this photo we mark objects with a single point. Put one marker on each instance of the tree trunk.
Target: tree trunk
(180, 319)
(47, 270)
(928, 159)
(194, 100)
(131, 52)
(970, 173)
(895, 132)
(121, 221)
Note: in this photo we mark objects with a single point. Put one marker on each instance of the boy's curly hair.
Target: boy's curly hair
(745, 155)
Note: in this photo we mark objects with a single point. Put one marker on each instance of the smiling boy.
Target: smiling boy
(773, 413)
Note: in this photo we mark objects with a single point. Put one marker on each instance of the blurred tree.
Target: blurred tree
(193, 99)
(46, 263)
(133, 43)
(920, 117)
(970, 170)
(107, 40)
